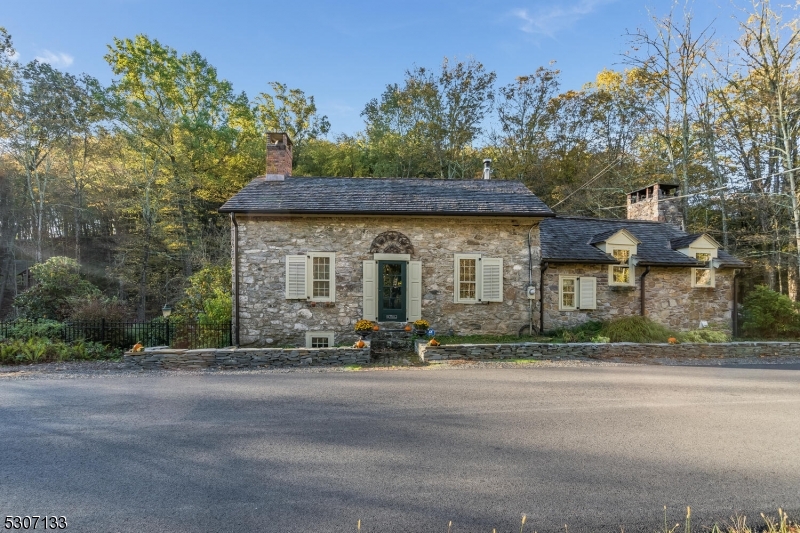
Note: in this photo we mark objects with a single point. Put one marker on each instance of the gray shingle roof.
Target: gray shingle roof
(684, 242)
(385, 196)
(568, 240)
(602, 236)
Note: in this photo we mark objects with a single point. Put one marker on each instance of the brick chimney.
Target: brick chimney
(658, 202)
(279, 155)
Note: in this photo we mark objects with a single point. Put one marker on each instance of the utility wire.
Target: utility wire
(668, 198)
(592, 180)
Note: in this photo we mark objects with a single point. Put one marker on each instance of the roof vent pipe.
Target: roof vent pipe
(487, 169)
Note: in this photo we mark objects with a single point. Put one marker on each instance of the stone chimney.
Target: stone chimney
(279, 156)
(658, 202)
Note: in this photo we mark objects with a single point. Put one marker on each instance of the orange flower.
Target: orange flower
(672, 340)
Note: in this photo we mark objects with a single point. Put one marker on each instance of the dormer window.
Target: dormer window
(704, 249)
(621, 245)
(620, 274)
(703, 276)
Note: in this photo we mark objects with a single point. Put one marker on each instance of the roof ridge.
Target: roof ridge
(625, 220)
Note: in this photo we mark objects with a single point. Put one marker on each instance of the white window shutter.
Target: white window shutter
(588, 290)
(492, 279)
(414, 290)
(370, 290)
(296, 277)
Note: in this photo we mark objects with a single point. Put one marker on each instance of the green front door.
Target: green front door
(392, 291)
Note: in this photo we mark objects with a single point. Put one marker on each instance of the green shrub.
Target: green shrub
(208, 296)
(41, 350)
(96, 308)
(704, 335)
(585, 332)
(635, 329)
(58, 285)
(769, 314)
(25, 329)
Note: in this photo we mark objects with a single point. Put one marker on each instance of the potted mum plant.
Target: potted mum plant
(364, 327)
(421, 326)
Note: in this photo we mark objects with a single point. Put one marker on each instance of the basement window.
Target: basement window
(319, 339)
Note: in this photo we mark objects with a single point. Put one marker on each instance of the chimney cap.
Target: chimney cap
(666, 187)
(279, 137)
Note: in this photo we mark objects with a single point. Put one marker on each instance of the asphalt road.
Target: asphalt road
(596, 448)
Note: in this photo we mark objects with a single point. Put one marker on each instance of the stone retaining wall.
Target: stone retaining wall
(608, 350)
(246, 358)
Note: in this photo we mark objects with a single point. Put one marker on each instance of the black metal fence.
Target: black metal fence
(125, 334)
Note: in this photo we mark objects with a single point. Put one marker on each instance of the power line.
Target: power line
(668, 198)
(596, 176)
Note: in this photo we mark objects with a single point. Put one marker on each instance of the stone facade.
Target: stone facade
(269, 319)
(670, 298)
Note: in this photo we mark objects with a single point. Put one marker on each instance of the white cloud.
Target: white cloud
(549, 20)
(14, 56)
(59, 59)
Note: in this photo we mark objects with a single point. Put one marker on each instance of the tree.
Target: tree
(182, 114)
(525, 116)
(428, 125)
(769, 49)
(290, 110)
(59, 285)
(668, 63)
(39, 117)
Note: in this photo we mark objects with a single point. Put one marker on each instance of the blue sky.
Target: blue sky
(345, 52)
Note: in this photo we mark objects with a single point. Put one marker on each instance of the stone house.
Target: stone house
(312, 255)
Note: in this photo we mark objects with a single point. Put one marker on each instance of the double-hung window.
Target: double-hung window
(311, 277)
(621, 273)
(477, 279)
(703, 276)
(576, 292)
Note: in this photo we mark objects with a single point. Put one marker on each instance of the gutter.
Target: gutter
(236, 276)
(641, 280)
(530, 280)
(545, 265)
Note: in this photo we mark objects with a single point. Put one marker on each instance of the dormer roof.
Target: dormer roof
(691, 241)
(614, 234)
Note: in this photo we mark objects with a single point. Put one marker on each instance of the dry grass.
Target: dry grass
(738, 524)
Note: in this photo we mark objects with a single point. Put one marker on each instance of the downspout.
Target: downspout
(530, 280)
(541, 297)
(236, 276)
(641, 280)
(735, 310)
